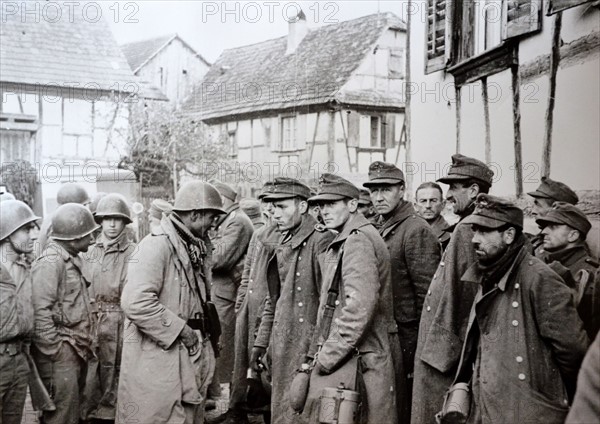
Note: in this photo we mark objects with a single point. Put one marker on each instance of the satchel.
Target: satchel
(457, 405)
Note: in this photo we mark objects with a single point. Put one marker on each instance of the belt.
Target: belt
(108, 307)
(12, 348)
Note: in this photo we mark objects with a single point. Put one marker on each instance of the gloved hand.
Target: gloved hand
(255, 357)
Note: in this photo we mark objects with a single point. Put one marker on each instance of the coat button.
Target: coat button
(515, 323)
(299, 258)
(517, 285)
(251, 280)
(304, 244)
(442, 263)
(515, 304)
(297, 274)
(429, 292)
(300, 304)
(301, 320)
(428, 308)
(299, 288)
(337, 302)
(519, 359)
(434, 276)
(521, 376)
(250, 291)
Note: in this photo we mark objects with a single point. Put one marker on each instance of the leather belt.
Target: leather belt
(108, 307)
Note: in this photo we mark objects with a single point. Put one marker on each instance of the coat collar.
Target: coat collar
(355, 222)
(568, 256)
(119, 244)
(474, 275)
(402, 211)
(305, 229)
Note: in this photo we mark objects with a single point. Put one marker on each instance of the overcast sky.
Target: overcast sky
(213, 26)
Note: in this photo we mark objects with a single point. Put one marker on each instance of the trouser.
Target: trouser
(14, 379)
(64, 375)
(204, 375)
(408, 334)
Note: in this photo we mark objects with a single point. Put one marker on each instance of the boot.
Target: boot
(232, 416)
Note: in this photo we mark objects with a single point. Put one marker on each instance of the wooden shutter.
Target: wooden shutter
(521, 17)
(437, 37)
(388, 131)
(555, 6)
(353, 129)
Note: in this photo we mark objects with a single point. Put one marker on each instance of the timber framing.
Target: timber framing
(576, 51)
(486, 64)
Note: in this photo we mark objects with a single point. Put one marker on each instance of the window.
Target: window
(232, 145)
(396, 65)
(289, 134)
(559, 5)
(463, 29)
(371, 131)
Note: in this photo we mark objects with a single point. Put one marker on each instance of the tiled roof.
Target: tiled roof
(140, 52)
(262, 77)
(62, 53)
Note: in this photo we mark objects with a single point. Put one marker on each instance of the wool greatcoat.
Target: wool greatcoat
(528, 343)
(287, 326)
(249, 307)
(230, 244)
(443, 327)
(415, 254)
(364, 318)
(161, 382)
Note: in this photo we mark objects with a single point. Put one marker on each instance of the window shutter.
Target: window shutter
(388, 131)
(556, 6)
(353, 129)
(521, 17)
(437, 39)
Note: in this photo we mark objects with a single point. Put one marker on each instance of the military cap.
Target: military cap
(286, 188)
(494, 212)
(251, 208)
(365, 197)
(158, 207)
(333, 187)
(224, 189)
(466, 168)
(384, 173)
(567, 214)
(264, 190)
(555, 190)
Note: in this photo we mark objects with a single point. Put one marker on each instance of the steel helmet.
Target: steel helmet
(72, 193)
(113, 205)
(72, 221)
(14, 215)
(198, 195)
(7, 196)
(94, 202)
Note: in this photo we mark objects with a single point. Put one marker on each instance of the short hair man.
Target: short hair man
(429, 204)
(448, 301)
(167, 355)
(518, 304)
(364, 315)
(365, 206)
(63, 337)
(293, 298)
(564, 230)
(18, 230)
(414, 254)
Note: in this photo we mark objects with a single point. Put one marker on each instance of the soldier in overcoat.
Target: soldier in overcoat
(446, 308)
(415, 253)
(525, 341)
(168, 359)
(363, 320)
(290, 311)
(230, 240)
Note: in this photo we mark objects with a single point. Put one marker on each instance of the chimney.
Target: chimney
(297, 32)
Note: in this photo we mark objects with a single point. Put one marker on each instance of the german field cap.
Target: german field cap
(567, 214)
(251, 208)
(466, 168)
(224, 189)
(333, 187)
(494, 212)
(365, 197)
(285, 188)
(555, 190)
(158, 207)
(384, 173)
(264, 190)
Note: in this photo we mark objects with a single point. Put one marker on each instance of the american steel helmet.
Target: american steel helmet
(72, 193)
(198, 195)
(113, 205)
(14, 215)
(72, 221)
